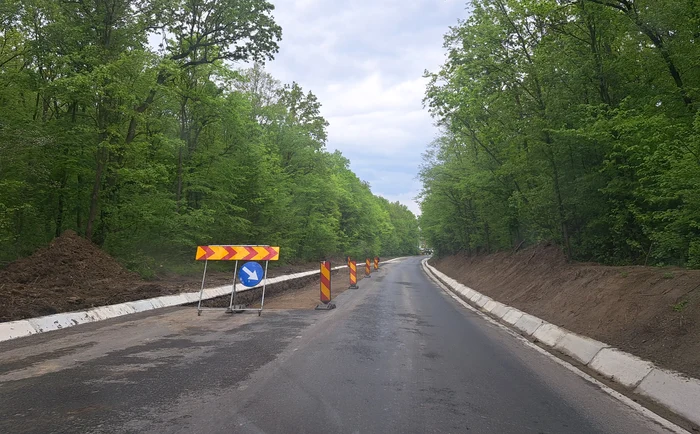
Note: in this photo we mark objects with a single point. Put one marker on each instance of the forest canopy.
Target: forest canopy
(573, 121)
(151, 126)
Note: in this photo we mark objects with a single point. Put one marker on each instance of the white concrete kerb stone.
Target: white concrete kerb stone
(549, 334)
(677, 392)
(15, 329)
(490, 305)
(469, 293)
(621, 367)
(528, 324)
(512, 316)
(483, 301)
(579, 347)
(500, 310)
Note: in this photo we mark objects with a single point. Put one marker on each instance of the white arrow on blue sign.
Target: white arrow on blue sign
(250, 274)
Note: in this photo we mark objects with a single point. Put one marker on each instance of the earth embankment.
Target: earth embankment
(651, 312)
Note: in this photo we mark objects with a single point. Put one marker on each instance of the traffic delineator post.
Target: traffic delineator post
(325, 287)
(368, 271)
(325, 282)
(376, 263)
(353, 275)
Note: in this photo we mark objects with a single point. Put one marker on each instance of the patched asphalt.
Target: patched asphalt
(397, 355)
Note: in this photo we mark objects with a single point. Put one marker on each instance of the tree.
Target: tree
(570, 121)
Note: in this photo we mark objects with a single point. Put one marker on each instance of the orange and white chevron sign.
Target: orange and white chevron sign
(237, 253)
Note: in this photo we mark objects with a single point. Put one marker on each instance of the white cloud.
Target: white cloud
(385, 133)
(365, 61)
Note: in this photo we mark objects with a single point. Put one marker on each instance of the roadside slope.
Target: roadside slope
(651, 312)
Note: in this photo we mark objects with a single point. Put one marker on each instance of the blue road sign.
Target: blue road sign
(251, 273)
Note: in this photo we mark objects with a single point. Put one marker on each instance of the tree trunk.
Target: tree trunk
(178, 195)
(61, 205)
(101, 158)
(560, 208)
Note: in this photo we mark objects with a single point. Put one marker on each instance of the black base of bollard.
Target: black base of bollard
(325, 306)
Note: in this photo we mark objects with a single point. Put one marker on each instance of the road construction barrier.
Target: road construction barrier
(376, 263)
(251, 273)
(368, 270)
(353, 274)
(325, 287)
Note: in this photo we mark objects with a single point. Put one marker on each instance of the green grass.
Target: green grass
(680, 306)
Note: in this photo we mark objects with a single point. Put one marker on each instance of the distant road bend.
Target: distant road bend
(398, 355)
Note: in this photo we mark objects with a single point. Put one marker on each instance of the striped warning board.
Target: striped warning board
(376, 262)
(325, 282)
(237, 253)
(368, 270)
(353, 274)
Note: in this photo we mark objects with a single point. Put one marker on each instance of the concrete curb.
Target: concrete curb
(673, 390)
(621, 367)
(677, 392)
(528, 324)
(513, 316)
(549, 334)
(579, 347)
(17, 329)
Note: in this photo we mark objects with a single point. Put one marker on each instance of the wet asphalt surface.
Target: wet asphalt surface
(397, 356)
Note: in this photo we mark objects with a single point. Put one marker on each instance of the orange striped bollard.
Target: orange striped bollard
(353, 274)
(368, 271)
(376, 263)
(325, 287)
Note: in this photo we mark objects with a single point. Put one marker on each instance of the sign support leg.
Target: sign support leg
(262, 302)
(201, 291)
(233, 289)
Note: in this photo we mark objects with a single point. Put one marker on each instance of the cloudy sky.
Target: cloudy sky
(364, 59)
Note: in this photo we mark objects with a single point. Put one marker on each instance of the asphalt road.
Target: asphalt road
(398, 355)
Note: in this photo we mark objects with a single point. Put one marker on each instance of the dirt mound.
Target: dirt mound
(69, 274)
(73, 274)
(648, 311)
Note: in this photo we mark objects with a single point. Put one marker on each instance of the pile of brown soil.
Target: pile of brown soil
(73, 274)
(651, 312)
(69, 274)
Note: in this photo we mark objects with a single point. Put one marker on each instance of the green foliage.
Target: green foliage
(680, 306)
(568, 121)
(151, 152)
